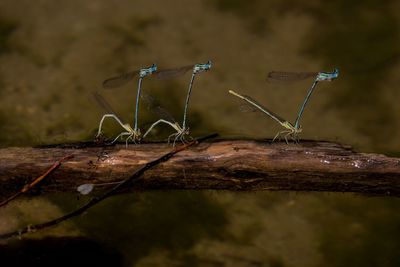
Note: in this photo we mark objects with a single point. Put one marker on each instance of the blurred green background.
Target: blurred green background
(54, 54)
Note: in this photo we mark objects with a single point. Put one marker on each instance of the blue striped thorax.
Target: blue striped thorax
(201, 67)
(147, 71)
(328, 76)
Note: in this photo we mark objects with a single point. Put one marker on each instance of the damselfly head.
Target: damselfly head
(202, 67)
(328, 76)
(128, 128)
(186, 131)
(297, 130)
(148, 71)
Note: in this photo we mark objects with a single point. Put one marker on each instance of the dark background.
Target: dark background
(53, 54)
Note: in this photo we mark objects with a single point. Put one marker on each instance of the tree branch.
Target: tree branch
(224, 164)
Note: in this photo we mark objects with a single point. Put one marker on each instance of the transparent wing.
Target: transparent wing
(104, 104)
(171, 73)
(289, 76)
(153, 105)
(247, 107)
(262, 108)
(120, 80)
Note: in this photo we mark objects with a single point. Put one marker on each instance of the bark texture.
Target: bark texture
(221, 164)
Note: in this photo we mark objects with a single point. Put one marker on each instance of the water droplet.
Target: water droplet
(85, 189)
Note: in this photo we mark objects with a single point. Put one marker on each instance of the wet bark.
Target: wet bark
(218, 165)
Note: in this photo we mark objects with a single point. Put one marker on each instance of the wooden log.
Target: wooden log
(221, 164)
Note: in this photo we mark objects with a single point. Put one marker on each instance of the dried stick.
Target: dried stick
(95, 200)
(29, 186)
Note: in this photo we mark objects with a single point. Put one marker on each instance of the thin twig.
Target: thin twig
(134, 177)
(29, 186)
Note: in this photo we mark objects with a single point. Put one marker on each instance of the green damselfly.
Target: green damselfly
(166, 118)
(291, 130)
(131, 134)
(182, 131)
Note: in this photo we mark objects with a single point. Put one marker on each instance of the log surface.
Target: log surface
(223, 164)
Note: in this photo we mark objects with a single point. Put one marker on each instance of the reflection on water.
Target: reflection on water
(220, 228)
(53, 55)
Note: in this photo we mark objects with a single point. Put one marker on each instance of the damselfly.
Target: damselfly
(150, 71)
(291, 130)
(131, 134)
(166, 118)
(123, 79)
(182, 131)
(292, 76)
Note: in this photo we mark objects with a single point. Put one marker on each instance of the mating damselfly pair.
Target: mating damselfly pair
(291, 130)
(134, 134)
(181, 130)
